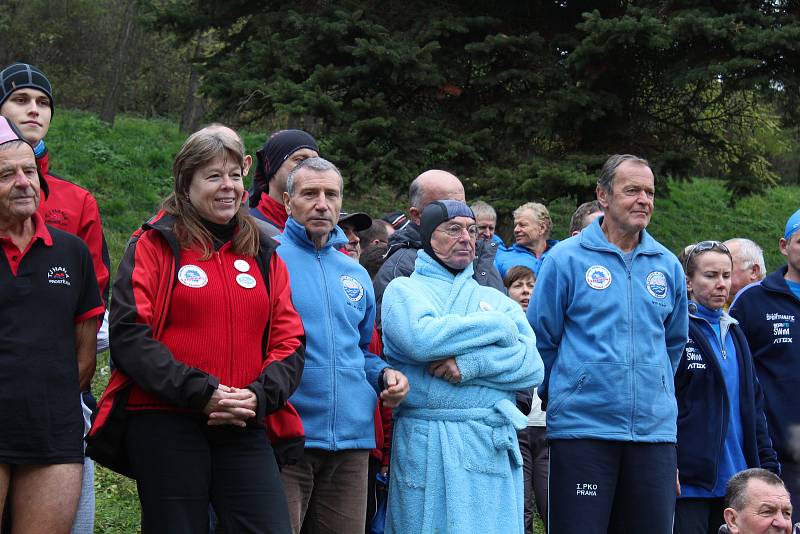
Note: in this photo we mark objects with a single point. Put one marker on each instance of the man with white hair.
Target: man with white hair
(532, 225)
(748, 264)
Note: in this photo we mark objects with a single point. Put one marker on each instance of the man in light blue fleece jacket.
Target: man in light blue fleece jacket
(341, 380)
(456, 466)
(611, 321)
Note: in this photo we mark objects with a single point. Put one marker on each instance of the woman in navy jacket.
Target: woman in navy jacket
(721, 423)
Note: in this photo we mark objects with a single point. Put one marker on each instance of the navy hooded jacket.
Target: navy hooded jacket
(769, 315)
(703, 409)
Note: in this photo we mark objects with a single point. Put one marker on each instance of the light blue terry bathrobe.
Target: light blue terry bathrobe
(456, 465)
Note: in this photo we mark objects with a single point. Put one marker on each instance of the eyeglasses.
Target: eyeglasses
(705, 246)
(456, 230)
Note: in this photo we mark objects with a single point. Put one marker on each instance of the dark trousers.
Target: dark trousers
(181, 465)
(599, 487)
(535, 467)
(327, 491)
(699, 516)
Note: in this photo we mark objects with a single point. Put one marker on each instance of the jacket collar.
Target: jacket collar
(274, 211)
(519, 248)
(297, 233)
(43, 163)
(592, 237)
(427, 266)
(725, 320)
(775, 281)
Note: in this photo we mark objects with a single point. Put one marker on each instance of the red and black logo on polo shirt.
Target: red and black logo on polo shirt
(58, 275)
(56, 217)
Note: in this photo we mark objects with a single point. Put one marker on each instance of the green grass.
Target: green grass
(128, 168)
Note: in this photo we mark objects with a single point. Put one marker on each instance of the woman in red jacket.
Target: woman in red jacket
(203, 324)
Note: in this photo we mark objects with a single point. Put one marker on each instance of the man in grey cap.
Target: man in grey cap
(352, 223)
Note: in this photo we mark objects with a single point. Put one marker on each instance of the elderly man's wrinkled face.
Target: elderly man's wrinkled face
(768, 511)
(316, 202)
(528, 229)
(628, 206)
(19, 183)
(453, 242)
(486, 227)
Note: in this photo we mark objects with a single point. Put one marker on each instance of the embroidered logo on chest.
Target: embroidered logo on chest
(56, 217)
(598, 277)
(192, 276)
(657, 284)
(352, 288)
(58, 276)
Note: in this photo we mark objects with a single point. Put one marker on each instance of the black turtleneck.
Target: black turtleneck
(220, 233)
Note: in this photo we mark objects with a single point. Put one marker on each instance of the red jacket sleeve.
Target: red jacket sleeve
(91, 231)
(285, 345)
(141, 290)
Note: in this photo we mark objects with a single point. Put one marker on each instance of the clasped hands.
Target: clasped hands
(231, 406)
(446, 369)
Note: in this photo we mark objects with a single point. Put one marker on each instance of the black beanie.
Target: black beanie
(275, 151)
(21, 75)
(435, 214)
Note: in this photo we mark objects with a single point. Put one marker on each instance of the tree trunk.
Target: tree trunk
(194, 108)
(109, 109)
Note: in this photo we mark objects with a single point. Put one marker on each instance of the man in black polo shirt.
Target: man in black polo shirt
(49, 305)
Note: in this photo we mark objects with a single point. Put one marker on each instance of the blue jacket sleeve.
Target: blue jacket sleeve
(546, 317)
(373, 364)
(676, 326)
(414, 332)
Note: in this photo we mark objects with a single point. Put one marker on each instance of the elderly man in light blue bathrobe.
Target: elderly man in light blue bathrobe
(466, 350)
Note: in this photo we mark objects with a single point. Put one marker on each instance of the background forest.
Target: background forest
(522, 100)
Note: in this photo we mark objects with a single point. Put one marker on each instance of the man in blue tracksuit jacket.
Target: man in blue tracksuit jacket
(769, 314)
(341, 379)
(532, 226)
(611, 320)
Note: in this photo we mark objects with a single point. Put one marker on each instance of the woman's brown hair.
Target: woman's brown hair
(516, 273)
(199, 149)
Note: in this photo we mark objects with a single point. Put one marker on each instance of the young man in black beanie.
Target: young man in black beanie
(26, 98)
(280, 154)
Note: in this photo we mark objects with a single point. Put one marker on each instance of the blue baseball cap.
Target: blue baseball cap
(792, 225)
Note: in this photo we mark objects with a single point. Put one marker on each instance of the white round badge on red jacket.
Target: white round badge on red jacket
(192, 276)
(241, 265)
(246, 281)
